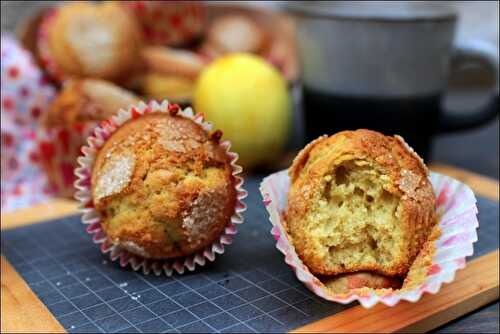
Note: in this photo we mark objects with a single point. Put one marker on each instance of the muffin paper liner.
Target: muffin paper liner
(91, 216)
(456, 209)
(45, 54)
(171, 23)
(58, 149)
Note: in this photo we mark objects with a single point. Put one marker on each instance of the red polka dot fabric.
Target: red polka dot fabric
(58, 149)
(24, 97)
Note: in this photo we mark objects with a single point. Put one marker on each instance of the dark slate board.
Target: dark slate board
(248, 289)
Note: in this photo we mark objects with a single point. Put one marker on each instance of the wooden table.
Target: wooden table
(22, 311)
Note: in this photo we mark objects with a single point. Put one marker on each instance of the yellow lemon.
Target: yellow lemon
(248, 100)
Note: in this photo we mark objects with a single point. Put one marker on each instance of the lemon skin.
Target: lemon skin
(248, 100)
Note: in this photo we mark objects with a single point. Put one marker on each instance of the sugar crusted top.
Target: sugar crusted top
(165, 184)
(115, 175)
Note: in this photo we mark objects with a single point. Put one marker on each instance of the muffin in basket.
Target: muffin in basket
(170, 73)
(83, 39)
(359, 201)
(69, 120)
(163, 186)
(174, 23)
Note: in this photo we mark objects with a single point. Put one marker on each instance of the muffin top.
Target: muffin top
(163, 186)
(94, 40)
(86, 100)
(399, 160)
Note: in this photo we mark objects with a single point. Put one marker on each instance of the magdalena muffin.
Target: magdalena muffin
(170, 73)
(83, 39)
(69, 120)
(359, 201)
(163, 186)
(174, 23)
(172, 87)
(175, 62)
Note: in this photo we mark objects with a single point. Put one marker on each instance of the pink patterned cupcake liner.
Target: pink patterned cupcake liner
(170, 22)
(45, 54)
(456, 209)
(57, 150)
(91, 216)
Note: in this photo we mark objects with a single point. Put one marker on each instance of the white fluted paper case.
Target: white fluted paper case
(92, 219)
(457, 212)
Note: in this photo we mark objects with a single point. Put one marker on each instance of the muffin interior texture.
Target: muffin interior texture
(355, 220)
(163, 186)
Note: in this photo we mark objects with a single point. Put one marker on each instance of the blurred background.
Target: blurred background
(272, 75)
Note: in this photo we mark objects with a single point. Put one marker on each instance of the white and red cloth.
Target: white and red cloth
(25, 95)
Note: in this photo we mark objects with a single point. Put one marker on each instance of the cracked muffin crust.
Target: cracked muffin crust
(163, 186)
(359, 201)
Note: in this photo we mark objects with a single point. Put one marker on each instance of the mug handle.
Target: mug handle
(483, 54)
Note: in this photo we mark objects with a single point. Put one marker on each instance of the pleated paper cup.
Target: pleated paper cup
(44, 53)
(92, 218)
(58, 149)
(436, 263)
(173, 23)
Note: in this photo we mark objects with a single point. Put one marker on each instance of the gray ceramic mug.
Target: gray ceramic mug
(385, 67)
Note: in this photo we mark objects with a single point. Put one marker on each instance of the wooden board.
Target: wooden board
(481, 185)
(46, 211)
(474, 286)
(22, 311)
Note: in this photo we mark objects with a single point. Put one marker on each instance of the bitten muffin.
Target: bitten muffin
(90, 40)
(359, 201)
(163, 186)
(69, 120)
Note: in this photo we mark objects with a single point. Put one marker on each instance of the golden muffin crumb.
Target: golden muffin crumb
(359, 201)
(163, 187)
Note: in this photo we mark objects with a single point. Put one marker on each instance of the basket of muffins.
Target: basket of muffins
(359, 217)
(100, 57)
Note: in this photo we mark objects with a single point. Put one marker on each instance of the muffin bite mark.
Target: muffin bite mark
(356, 214)
(359, 200)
